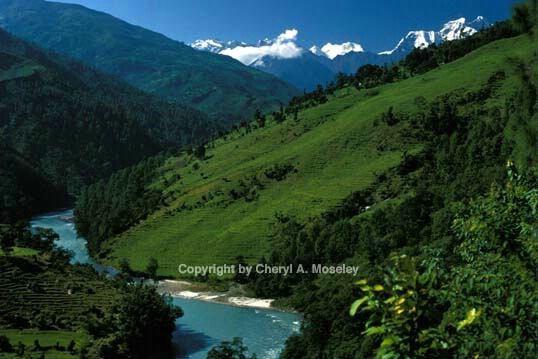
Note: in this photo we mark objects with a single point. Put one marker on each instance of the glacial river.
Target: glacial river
(204, 324)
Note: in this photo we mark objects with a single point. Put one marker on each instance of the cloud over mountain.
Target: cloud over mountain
(306, 68)
(282, 47)
(332, 50)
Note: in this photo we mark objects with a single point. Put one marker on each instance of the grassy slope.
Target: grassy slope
(335, 148)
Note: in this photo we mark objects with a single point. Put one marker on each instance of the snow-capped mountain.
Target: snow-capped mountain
(413, 40)
(215, 46)
(316, 51)
(282, 47)
(452, 30)
(457, 29)
(304, 72)
(305, 68)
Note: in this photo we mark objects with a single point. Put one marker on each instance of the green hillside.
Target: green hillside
(224, 205)
(218, 85)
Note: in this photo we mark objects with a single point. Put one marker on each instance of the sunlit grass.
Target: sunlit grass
(335, 148)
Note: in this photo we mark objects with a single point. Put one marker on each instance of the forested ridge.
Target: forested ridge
(413, 210)
(24, 188)
(419, 61)
(76, 125)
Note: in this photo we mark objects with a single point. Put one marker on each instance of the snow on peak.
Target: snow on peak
(208, 45)
(316, 51)
(421, 39)
(452, 30)
(413, 40)
(284, 46)
(333, 50)
(479, 23)
(215, 46)
(460, 28)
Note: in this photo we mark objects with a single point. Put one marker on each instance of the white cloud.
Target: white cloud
(283, 47)
(288, 35)
(333, 50)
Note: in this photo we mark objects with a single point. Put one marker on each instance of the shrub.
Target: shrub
(5, 344)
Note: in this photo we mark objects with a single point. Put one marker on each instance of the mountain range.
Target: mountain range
(222, 87)
(306, 68)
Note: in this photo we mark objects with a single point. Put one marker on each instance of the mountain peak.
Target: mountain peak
(282, 47)
(452, 30)
(316, 51)
(208, 45)
(215, 46)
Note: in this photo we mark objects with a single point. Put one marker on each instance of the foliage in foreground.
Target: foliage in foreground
(483, 305)
(230, 350)
(138, 325)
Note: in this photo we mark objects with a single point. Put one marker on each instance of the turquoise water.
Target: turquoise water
(207, 324)
(204, 324)
(61, 223)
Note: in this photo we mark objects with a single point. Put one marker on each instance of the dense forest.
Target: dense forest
(110, 206)
(73, 125)
(24, 188)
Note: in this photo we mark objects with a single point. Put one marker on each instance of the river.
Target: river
(204, 324)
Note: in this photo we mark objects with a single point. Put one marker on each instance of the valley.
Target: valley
(166, 197)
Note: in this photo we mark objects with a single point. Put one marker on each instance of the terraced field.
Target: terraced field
(334, 149)
(31, 293)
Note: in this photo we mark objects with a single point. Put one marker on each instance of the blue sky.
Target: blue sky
(377, 25)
